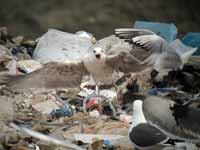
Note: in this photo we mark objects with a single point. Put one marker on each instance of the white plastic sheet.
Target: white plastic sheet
(183, 50)
(60, 46)
(180, 47)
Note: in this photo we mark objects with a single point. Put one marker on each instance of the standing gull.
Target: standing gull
(142, 134)
(176, 120)
(107, 56)
(153, 126)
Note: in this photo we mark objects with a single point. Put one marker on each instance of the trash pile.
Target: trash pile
(76, 118)
(55, 119)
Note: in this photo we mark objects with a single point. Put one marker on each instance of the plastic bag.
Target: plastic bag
(192, 39)
(56, 45)
(180, 47)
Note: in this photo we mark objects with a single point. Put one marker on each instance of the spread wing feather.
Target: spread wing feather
(52, 75)
(158, 53)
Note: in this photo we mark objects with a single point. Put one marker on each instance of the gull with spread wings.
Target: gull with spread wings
(129, 50)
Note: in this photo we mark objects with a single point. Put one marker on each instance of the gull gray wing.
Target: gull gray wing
(52, 75)
(161, 55)
(158, 111)
(128, 33)
(145, 135)
(125, 62)
(157, 50)
(144, 38)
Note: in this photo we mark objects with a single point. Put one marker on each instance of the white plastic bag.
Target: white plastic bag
(183, 50)
(56, 45)
(180, 47)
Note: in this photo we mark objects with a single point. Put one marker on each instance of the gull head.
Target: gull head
(99, 54)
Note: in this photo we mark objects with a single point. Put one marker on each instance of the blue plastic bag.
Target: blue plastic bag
(167, 31)
(192, 39)
(63, 112)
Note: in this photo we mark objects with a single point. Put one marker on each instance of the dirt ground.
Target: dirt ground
(33, 18)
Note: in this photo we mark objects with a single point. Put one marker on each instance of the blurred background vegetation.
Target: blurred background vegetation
(33, 17)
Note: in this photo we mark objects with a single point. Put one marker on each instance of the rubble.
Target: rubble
(89, 138)
(77, 118)
(45, 107)
(7, 109)
(5, 57)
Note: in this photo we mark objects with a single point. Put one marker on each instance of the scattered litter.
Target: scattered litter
(5, 57)
(28, 66)
(90, 138)
(46, 138)
(12, 67)
(94, 113)
(92, 103)
(20, 52)
(4, 53)
(156, 91)
(6, 110)
(111, 94)
(126, 118)
(66, 111)
(46, 107)
(78, 118)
